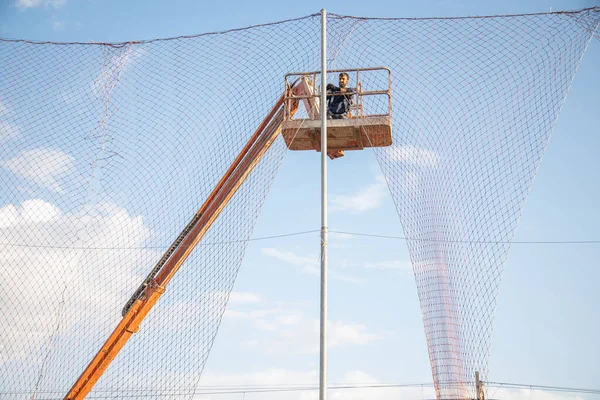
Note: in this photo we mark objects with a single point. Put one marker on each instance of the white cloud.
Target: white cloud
(47, 277)
(365, 199)
(22, 4)
(262, 378)
(42, 166)
(36, 211)
(289, 320)
(358, 377)
(56, 3)
(340, 240)
(218, 381)
(25, 4)
(216, 300)
(412, 155)
(391, 264)
(112, 70)
(345, 263)
(342, 334)
(57, 24)
(8, 131)
(340, 236)
(244, 298)
(308, 265)
(348, 279)
(304, 385)
(498, 392)
(284, 330)
(250, 343)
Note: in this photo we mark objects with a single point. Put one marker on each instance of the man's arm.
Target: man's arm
(332, 89)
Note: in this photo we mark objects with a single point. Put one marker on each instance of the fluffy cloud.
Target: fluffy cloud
(284, 330)
(56, 273)
(412, 155)
(340, 236)
(361, 378)
(111, 72)
(367, 198)
(348, 279)
(342, 334)
(518, 394)
(244, 298)
(57, 24)
(400, 265)
(275, 376)
(284, 384)
(24, 4)
(308, 265)
(41, 166)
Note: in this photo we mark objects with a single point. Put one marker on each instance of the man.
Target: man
(339, 99)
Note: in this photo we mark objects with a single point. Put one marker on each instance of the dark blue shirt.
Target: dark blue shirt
(337, 102)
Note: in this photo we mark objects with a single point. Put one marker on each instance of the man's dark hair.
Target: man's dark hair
(342, 74)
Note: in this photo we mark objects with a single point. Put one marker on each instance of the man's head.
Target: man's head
(343, 79)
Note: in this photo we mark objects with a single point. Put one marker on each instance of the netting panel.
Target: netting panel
(107, 152)
(475, 102)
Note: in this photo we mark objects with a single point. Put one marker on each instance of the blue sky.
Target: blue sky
(546, 321)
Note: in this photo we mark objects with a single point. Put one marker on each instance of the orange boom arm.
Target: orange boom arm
(154, 285)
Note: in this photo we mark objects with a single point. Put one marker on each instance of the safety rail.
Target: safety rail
(357, 107)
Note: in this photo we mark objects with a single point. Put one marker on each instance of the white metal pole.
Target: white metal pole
(323, 336)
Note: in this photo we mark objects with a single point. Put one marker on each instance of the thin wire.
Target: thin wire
(158, 247)
(469, 241)
(234, 389)
(121, 44)
(313, 231)
(544, 387)
(237, 389)
(595, 8)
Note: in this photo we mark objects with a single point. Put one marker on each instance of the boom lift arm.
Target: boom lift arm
(146, 296)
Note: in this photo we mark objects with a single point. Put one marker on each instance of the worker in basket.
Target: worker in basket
(339, 99)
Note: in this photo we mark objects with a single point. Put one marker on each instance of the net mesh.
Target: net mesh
(108, 150)
(475, 102)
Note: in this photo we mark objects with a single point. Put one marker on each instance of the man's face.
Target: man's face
(343, 81)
